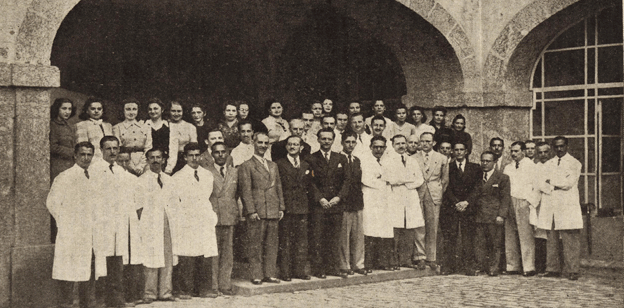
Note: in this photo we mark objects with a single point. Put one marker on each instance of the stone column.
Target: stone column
(25, 249)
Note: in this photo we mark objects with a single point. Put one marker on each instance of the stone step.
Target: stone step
(246, 288)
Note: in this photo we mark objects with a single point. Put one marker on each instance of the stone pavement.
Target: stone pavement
(596, 288)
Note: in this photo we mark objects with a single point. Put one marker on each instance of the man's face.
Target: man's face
(341, 121)
(123, 159)
(131, 110)
(426, 142)
(296, 128)
(530, 150)
(349, 144)
(497, 147)
(516, 153)
(214, 137)
(110, 151)
(357, 124)
(560, 148)
(460, 152)
(379, 107)
(220, 154)
(487, 162)
(246, 133)
(261, 144)
(293, 146)
(354, 107)
(378, 148)
(412, 144)
(401, 115)
(95, 111)
(543, 153)
(176, 112)
(83, 157)
(326, 139)
(399, 144)
(328, 105)
(378, 127)
(197, 114)
(317, 110)
(243, 111)
(155, 161)
(192, 158)
(329, 122)
(445, 149)
(307, 118)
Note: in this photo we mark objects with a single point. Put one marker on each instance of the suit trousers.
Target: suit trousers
(110, 289)
(158, 280)
(86, 290)
(225, 242)
(293, 245)
(427, 237)
(458, 234)
(352, 241)
(326, 242)
(133, 282)
(519, 239)
(571, 242)
(262, 247)
(195, 267)
(379, 252)
(488, 246)
(404, 245)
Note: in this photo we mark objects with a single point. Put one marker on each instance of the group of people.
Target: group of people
(150, 207)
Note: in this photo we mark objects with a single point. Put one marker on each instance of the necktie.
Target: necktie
(297, 162)
(196, 176)
(559, 161)
(87, 173)
(517, 164)
(378, 161)
(111, 168)
(350, 159)
(403, 160)
(426, 162)
(460, 167)
(485, 178)
(326, 156)
(264, 162)
(222, 171)
(160, 183)
(360, 137)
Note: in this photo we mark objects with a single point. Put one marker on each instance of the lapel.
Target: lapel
(219, 181)
(260, 168)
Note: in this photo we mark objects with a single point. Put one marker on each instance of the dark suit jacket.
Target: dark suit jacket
(278, 150)
(260, 189)
(354, 200)
(461, 184)
(224, 196)
(295, 185)
(492, 198)
(330, 179)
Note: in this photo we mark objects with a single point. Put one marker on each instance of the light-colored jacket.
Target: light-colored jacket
(375, 190)
(436, 175)
(193, 220)
(404, 202)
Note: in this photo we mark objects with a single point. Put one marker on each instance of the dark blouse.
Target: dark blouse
(202, 136)
(441, 134)
(231, 138)
(464, 138)
(160, 139)
(61, 146)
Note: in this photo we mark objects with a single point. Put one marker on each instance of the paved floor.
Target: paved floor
(596, 288)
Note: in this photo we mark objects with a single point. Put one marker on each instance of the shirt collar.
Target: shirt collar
(259, 158)
(96, 122)
(489, 174)
(292, 159)
(219, 167)
(127, 123)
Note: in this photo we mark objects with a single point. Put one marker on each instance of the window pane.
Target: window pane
(565, 117)
(591, 65)
(564, 68)
(591, 156)
(591, 116)
(610, 91)
(610, 64)
(591, 31)
(610, 26)
(537, 77)
(611, 116)
(563, 94)
(573, 37)
(611, 154)
(576, 148)
(611, 191)
(537, 119)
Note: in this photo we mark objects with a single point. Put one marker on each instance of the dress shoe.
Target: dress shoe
(304, 277)
(529, 274)
(492, 273)
(387, 268)
(573, 276)
(320, 276)
(146, 301)
(361, 271)
(340, 274)
(167, 299)
(472, 273)
(209, 294)
(550, 274)
(271, 280)
(408, 265)
(350, 272)
(368, 270)
(432, 265)
(421, 265)
(227, 292)
(509, 273)
(256, 281)
(286, 279)
(185, 297)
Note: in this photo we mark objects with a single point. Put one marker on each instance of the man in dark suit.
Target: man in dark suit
(293, 232)
(330, 187)
(278, 150)
(492, 199)
(263, 204)
(457, 214)
(223, 199)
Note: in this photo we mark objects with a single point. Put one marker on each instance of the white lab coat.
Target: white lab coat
(375, 190)
(403, 201)
(561, 206)
(193, 219)
(70, 203)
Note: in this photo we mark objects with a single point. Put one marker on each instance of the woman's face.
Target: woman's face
(438, 117)
(328, 105)
(230, 112)
(401, 115)
(417, 116)
(65, 111)
(131, 110)
(176, 113)
(243, 111)
(154, 111)
(459, 124)
(198, 115)
(95, 111)
(276, 109)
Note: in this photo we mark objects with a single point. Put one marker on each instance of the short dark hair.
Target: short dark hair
(521, 144)
(378, 138)
(398, 136)
(459, 142)
(326, 130)
(349, 133)
(107, 139)
(84, 144)
(329, 115)
(497, 138)
(214, 145)
(157, 101)
(154, 150)
(426, 133)
(378, 117)
(459, 117)
(565, 140)
(269, 101)
(439, 108)
(84, 115)
(191, 146)
(422, 111)
(488, 152)
(244, 122)
(400, 106)
(56, 106)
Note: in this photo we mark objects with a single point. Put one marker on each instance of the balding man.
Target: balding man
(278, 149)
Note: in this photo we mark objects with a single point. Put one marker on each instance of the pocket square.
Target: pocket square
(495, 185)
(307, 172)
(339, 165)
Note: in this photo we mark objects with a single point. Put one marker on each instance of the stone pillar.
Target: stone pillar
(25, 249)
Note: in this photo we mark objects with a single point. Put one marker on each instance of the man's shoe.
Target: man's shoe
(304, 277)
(227, 292)
(321, 276)
(529, 274)
(185, 297)
(368, 270)
(493, 273)
(551, 275)
(256, 281)
(286, 279)
(340, 274)
(271, 280)
(209, 294)
(146, 301)
(509, 273)
(362, 271)
(573, 276)
(420, 264)
(350, 272)
(167, 299)
(387, 268)
(433, 265)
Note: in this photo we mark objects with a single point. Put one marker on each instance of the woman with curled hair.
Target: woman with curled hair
(181, 133)
(134, 135)
(94, 126)
(459, 133)
(61, 136)
(418, 118)
(442, 133)
(278, 127)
